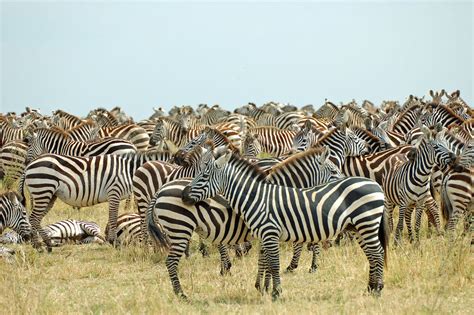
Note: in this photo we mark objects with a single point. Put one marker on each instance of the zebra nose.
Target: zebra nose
(452, 157)
(187, 199)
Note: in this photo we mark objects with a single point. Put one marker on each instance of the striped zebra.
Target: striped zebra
(65, 120)
(304, 170)
(407, 120)
(441, 114)
(328, 111)
(57, 142)
(275, 213)
(73, 231)
(13, 214)
(408, 184)
(13, 161)
(168, 129)
(212, 219)
(133, 133)
(457, 192)
(8, 132)
(150, 176)
(251, 147)
(80, 182)
(85, 131)
(129, 229)
(231, 138)
(342, 142)
(289, 119)
(274, 141)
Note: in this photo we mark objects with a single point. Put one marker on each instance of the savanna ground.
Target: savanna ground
(437, 277)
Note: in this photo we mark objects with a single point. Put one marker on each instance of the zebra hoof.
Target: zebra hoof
(182, 296)
(49, 249)
(313, 269)
(276, 295)
(289, 269)
(375, 289)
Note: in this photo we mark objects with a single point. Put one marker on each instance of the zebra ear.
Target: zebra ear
(324, 155)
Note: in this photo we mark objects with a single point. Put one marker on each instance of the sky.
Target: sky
(80, 55)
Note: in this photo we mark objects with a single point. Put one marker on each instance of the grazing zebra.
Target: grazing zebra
(276, 213)
(212, 219)
(408, 183)
(13, 214)
(149, 178)
(80, 181)
(129, 229)
(57, 142)
(274, 141)
(13, 161)
(133, 133)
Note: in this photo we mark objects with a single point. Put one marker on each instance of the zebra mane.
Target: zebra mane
(296, 158)
(254, 170)
(53, 130)
(326, 136)
(223, 136)
(88, 122)
(367, 134)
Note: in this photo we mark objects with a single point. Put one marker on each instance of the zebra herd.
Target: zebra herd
(274, 173)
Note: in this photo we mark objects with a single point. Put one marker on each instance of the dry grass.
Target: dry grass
(437, 277)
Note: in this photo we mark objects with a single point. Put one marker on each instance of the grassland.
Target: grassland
(437, 277)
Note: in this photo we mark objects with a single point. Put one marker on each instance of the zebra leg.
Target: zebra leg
(418, 214)
(388, 209)
(297, 249)
(114, 202)
(262, 265)
(408, 215)
(375, 254)
(172, 261)
(38, 213)
(272, 252)
(316, 249)
(398, 231)
(225, 259)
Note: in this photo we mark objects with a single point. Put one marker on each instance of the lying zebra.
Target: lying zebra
(62, 232)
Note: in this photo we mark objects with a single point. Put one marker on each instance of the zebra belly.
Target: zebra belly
(80, 197)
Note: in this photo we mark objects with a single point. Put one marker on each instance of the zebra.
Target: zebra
(408, 183)
(57, 142)
(80, 181)
(173, 131)
(8, 132)
(304, 170)
(274, 141)
(137, 135)
(129, 229)
(275, 213)
(327, 111)
(441, 114)
(85, 131)
(218, 139)
(342, 142)
(407, 120)
(65, 120)
(251, 147)
(212, 219)
(150, 176)
(13, 161)
(13, 214)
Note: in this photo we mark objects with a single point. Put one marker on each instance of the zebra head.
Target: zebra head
(251, 146)
(328, 170)
(209, 181)
(158, 134)
(181, 155)
(433, 150)
(354, 145)
(13, 215)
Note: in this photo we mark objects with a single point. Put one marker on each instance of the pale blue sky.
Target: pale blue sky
(80, 55)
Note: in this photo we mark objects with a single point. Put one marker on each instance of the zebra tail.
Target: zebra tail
(446, 206)
(155, 229)
(384, 237)
(21, 188)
